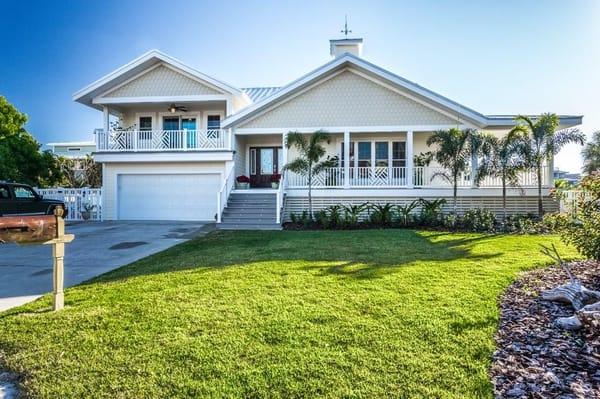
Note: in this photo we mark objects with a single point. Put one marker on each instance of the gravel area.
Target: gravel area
(536, 359)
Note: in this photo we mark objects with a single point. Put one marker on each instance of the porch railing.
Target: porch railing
(396, 177)
(162, 140)
(223, 194)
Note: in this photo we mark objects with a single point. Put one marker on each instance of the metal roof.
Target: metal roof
(259, 93)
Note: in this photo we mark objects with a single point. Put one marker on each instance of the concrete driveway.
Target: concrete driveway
(26, 271)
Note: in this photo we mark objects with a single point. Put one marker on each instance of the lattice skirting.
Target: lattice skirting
(514, 205)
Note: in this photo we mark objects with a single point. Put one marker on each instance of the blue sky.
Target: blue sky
(496, 57)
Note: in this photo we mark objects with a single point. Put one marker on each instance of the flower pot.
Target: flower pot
(243, 186)
(274, 185)
(86, 215)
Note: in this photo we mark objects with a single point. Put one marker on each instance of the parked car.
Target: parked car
(21, 199)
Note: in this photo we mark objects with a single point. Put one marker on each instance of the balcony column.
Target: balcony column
(409, 159)
(105, 118)
(347, 159)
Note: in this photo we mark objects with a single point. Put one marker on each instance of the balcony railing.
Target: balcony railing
(396, 177)
(162, 140)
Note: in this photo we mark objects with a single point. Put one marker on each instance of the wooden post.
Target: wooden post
(58, 256)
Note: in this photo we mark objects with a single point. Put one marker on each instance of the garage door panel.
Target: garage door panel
(167, 196)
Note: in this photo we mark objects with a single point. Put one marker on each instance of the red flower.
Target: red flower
(275, 178)
(242, 179)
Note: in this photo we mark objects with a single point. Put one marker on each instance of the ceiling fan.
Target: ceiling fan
(174, 108)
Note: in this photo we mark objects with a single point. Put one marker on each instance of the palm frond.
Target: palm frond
(299, 165)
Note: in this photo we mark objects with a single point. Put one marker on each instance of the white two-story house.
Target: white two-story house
(174, 140)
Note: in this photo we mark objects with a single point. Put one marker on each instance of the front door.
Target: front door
(264, 163)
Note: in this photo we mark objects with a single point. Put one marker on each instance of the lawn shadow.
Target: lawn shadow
(363, 254)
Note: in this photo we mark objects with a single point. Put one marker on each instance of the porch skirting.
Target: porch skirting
(514, 205)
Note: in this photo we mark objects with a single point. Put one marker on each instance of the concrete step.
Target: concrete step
(250, 214)
(253, 221)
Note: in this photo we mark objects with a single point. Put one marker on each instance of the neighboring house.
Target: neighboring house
(183, 137)
(573, 178)
(74, 149)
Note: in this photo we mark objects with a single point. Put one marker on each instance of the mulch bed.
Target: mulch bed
(536, 359)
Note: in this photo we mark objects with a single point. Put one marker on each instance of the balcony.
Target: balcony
(162, 140)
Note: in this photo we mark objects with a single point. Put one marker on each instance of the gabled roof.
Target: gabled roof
(348, 60)
(137, 66)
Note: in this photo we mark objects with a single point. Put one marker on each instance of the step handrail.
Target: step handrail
(225, 188)
(280, 197)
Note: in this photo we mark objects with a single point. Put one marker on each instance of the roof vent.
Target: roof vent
(339, 47)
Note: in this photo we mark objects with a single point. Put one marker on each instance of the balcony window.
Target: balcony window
(399, 154)
(145, 123)
(364, 154)
(351, 154)
(382, 153)
(213, 124)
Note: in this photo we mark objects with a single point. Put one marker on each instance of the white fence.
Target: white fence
(569, 200)
(81, 203)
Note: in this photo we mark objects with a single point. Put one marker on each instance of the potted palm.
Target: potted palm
(275, 179)
(243, 182)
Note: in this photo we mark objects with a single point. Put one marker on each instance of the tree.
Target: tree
(20, 156)
(591, 155)
(80, 172)
(308, 163)
(508, 157)
(543, 142)
(455, 150)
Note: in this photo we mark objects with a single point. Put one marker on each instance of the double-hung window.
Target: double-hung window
(145, 130)
(364, 154)
(382, 153)
(213, 124)
(399, 154)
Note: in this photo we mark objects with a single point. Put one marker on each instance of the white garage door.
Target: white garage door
(167, 197)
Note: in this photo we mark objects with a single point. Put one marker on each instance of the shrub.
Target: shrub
(431, 211)
(242, 179)
(521, 224)
(405, 213)
(479, 219)
(584, 231)
(382, 214)
(352, 214)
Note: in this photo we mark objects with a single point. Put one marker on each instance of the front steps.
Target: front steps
(252, 210)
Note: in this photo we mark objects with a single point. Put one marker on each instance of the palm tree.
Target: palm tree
(591, 155)
(455, 150)
(543, 142)
(508, 157)
(308, 163)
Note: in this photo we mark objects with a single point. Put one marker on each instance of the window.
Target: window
(145, 123)
(364, 154)
(399, 153)
(351, 154)
(213, 122)
(22, 192)
(253, 161)
(171, 123)
(3, 192)
(381, 153)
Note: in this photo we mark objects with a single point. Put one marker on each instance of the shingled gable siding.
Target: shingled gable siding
(162, 81)
(348, 100)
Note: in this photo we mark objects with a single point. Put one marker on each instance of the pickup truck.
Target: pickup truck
(21, 199)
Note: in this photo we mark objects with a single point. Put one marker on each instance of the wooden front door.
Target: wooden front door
(264, 163)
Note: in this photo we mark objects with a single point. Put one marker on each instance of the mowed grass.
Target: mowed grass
(378, 313)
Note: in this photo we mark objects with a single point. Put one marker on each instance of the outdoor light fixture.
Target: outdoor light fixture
(172, 108)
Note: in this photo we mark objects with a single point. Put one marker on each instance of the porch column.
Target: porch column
(474, 167)
(105, 118)
(347, 159)
(284, 156)
(550, 172)
(409, 159)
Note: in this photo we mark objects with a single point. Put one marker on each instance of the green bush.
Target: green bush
(381, 215)
(479, 219)
(584, 230)
(431, 211)
(405, 213)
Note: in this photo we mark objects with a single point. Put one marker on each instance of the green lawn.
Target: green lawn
(378, 313)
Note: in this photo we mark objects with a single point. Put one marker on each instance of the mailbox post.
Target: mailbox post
(47, 230)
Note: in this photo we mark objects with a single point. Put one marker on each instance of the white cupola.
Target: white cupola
(339, 47)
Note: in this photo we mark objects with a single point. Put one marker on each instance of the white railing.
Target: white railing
(569, 200)
(162, 140)
(382, 176)
(81, 203)
(281, 196)
(224, 191)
